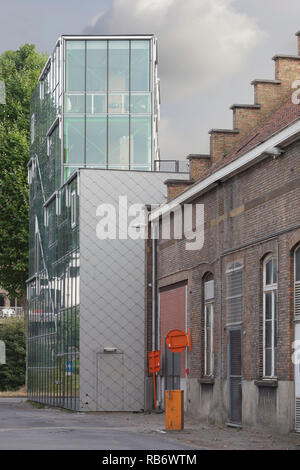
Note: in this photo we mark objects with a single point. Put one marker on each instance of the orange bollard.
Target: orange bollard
(174, 406)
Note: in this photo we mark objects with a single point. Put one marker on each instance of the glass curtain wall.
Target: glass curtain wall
(54, 264)
(107, 109)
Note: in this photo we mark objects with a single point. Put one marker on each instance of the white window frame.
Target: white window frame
(46, 216)
(58, 203)
(42, 89)
(209, 304)
(73, 208)
(32, 128)
(30, 172)
(48, 145)
(296, 283)
(273, 289)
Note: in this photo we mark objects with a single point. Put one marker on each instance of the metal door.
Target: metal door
(110, 381)
(235, 375)
(172, 369)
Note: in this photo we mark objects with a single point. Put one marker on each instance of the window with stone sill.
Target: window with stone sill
(270, 302)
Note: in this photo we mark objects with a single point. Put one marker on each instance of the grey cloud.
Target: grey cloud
(201, 43)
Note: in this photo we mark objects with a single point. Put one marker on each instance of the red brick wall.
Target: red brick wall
(246, 217)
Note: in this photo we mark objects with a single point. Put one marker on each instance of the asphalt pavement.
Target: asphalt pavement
(27, 427)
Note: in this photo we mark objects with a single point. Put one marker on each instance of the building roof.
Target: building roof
(279, 127)
(278, 120)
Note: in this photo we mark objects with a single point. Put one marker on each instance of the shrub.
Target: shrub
(12, 374)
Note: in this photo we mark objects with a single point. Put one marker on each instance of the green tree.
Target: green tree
(19, 70)
(12, 374)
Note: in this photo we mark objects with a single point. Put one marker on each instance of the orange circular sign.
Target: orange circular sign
(177, 341)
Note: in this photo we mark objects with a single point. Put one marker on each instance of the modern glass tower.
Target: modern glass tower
(94, 114)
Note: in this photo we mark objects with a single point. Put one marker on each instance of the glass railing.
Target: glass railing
(171, 166)
(168, 166)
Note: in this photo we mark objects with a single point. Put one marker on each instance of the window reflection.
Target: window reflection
(140, 66)
(96, 65)
(118, 60)
(75, 65)
(118, 142)
(96, 141)
(140, 143)
(107, 103)
(74, 140)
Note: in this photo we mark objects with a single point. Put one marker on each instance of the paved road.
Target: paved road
(25, 427)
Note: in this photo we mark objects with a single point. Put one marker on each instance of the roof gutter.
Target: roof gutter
(241, 163)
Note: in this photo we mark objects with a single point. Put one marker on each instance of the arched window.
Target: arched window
(208, 324)
(269, 316)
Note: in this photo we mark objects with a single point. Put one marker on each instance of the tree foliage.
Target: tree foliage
(12, 374)
(19, 70)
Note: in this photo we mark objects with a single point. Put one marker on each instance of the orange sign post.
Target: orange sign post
(154, 366)
(177, 340)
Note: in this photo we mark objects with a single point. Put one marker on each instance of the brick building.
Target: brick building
(239, 293)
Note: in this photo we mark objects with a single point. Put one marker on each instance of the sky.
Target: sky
(209, 50)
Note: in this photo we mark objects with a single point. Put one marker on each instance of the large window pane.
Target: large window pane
(118, 142)
(96, 103)
(140, 143)
(140, 66)
(268, 305)
(268, 362)
(74, 103)
(75, 65)
(96, 65)
(96, 141)
(118, 61)
(140, 103)
(118, 103)
(74, 140)
(269, 268)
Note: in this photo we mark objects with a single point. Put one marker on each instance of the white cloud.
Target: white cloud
(201, 42)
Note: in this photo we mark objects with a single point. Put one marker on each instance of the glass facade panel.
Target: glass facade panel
(74, 140)
(140, 143)
(140, 103)
(74, 103)
(75, 65)
(118, 64)
(113, 80)
(96, 136)
(107, 122)
(118, 103)
(140, 65)
(96, 103)
(118, 142)
(96, 66)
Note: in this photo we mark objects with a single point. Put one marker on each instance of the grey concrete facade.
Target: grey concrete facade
(112, 376)
(262, 407)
